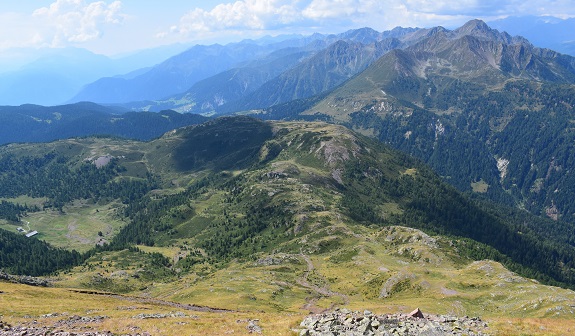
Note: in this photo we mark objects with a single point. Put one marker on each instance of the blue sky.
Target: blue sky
(118, 26)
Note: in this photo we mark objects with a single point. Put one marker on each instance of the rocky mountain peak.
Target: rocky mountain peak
(476, 28)
(363, 35)
(480, 30)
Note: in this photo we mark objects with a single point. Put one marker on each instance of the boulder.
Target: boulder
(416, 314)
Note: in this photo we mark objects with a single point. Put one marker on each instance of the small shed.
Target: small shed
(20, 229)
(31, 234)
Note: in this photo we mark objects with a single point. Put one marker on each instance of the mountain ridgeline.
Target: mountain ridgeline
(269, 185)
(34, 123)
(322, 63)
(491, 113)
(293, 69)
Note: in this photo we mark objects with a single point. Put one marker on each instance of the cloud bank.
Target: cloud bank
(75, 21)
(336, 15)
(112, 26)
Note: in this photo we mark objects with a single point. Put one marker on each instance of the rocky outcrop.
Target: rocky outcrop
(159, 316)
(60, 328)
(24, 279)
(353, 323)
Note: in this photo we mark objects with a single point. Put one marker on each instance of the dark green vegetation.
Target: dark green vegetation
(59, 177)
(217, 146)
(22, 255)
(54, 177)
(13, 212)
(491, 113)
(282, 185)
(33, 123)
(248, 220)
(520, 128)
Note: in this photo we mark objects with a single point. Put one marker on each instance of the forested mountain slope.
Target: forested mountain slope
(34, 123)
(242, 217)
(490, 113)
(267, 184)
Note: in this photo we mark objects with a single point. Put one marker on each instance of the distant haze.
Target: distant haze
(50, 50)
(113, 27)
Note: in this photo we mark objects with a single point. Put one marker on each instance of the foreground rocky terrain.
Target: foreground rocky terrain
(338, 322)
(74, 325)
(346, 322)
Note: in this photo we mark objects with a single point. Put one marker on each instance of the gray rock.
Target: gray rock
(347, 323)
(253, 327)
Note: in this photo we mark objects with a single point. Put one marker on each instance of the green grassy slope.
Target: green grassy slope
(311, 217)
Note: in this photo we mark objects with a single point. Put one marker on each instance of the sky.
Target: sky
(114, 27)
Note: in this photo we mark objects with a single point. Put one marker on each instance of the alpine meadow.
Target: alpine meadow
(415, 181)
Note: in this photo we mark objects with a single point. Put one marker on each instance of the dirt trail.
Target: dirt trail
(157, 302)
(310, 305)
(72, 226)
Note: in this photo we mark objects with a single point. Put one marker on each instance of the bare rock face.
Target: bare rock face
(345, 322)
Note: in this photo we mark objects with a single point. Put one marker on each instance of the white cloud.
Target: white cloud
(558, 8)
(461, 7)
(101, 25)
(240, 15)
(76, 21)
(324, 9)
(268, 16)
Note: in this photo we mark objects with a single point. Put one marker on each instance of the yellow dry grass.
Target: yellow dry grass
(533, 326)
(22, 304)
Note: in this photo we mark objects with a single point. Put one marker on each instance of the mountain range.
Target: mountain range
(423, 168)
(53, 76)
(33, 69)
(428, 92)
(479, 107)
(34, 123)
(180, 72)
(431, 94)
(330, 61)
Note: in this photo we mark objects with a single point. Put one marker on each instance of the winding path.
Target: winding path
(304, 282)
(156, 302)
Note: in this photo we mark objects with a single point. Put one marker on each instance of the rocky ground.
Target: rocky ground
(337, 323)
(73, 325)
(24, 279)
(65, 325)
(350, 323)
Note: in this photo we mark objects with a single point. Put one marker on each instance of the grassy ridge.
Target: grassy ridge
(311, 223)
